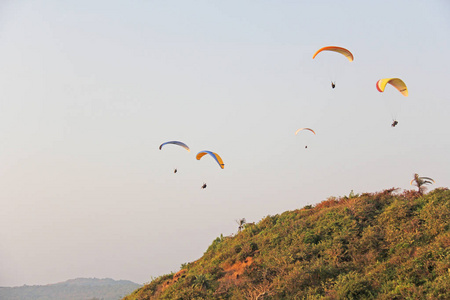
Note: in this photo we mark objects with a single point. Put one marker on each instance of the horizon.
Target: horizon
(72, 279)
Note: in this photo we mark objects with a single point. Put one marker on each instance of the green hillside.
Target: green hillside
(371, 246)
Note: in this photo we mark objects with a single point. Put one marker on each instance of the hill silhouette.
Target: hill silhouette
(73, 289)
(384, 245)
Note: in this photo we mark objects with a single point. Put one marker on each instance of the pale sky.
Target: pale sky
(90, 89)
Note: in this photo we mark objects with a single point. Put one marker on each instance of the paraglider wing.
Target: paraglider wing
(340, 50)
(175, 143)
(214, 155)
(395, 82)
(300, 129)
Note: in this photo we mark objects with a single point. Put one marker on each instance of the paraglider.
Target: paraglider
(340, 50)
(336, 49)
(301, 129)
(203, 186)
(399, 85)
(216, 156)
(395, 82)
(181, 144)
(175, 143)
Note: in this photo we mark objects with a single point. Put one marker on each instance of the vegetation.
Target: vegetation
(241, 223)
(371, 246)
(420, 182)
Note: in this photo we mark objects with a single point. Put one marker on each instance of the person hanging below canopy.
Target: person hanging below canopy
(307, 129)
(181, 144)
(343, 51)
(396, 83)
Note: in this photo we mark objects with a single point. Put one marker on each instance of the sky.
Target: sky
(90, 89)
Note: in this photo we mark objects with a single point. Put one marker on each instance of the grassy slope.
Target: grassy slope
(381, 246)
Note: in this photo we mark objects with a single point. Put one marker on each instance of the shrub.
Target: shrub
(353, 286)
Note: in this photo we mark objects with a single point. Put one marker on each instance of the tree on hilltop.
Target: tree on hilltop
(420, 182)
(241, 223)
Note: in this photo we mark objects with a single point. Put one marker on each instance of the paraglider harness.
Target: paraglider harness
(394, 123)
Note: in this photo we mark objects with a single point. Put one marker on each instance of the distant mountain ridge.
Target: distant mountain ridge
(94, 282)
(72, 289)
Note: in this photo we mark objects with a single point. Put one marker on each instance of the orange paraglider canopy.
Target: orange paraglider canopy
(214, 155)
(340, 50)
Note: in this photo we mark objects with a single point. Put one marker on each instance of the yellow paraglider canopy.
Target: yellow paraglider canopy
(340, 50)
(395, 82)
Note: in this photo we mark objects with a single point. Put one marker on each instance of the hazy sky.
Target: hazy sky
(90, 89)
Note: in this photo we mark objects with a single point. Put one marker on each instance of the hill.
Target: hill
(74, 289)
(371, 246)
